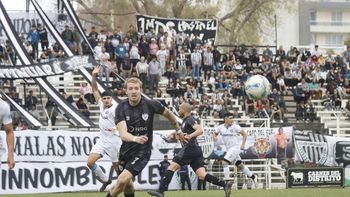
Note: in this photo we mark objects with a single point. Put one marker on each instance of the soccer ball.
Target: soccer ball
(257, 87)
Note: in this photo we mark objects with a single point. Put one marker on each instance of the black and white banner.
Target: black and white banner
(35, 177)
(55, 67)
(54, 32)
(322, 149)
(76, 116)
(315, 177)
(205, 28)
(68, 146)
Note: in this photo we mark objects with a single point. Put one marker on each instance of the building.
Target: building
(324, 22)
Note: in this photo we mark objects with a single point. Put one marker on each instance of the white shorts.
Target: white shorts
(232, 155)
(107, 148)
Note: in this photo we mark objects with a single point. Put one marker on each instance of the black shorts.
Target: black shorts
(134, 164)
(192, 155)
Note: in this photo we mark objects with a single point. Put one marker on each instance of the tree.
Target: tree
(240, 21)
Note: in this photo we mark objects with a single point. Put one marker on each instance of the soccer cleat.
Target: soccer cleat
(251, 182)
(227, 188)
(155, 193)
(104, 185)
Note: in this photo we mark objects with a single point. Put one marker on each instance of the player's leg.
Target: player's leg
(129, 190)
(164, 183)
(203, 175)
(96, 169)
(123, 180)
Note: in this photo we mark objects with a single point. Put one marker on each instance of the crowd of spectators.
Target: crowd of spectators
(207, 76)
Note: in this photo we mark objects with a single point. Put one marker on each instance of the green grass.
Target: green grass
(322, 192)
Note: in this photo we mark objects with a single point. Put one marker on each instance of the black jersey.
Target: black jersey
(187, 127)
(139, 121)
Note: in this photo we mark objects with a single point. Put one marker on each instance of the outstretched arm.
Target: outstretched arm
(10, 138)
(95, 91)
(244, 134)
(172, 118)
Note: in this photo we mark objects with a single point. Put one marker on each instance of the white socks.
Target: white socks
(247, 172)
(226, 172)
(99, 173)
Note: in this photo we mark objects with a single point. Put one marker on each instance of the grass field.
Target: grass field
(324, 192)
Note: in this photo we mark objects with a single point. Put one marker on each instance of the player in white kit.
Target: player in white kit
(6, 121)
(109, 142)
(232, 136)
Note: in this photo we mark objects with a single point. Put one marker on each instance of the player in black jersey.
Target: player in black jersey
(134, 120)
(191, 153)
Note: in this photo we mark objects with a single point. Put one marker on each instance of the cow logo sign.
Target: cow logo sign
(298, 177)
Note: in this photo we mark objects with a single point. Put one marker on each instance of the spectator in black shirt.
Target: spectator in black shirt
(134, 121)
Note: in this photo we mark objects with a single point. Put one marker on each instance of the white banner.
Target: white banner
(66, 146)
(74, 176)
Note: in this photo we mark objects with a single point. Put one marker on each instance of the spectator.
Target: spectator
(309, 111)
(276, 109)
(208, 62)
(67, 36)
(184, 177)
(154, 74)
(52, 111)
(83, 108)
(44, 41)
(35, 112)
(120, 52)
(163, 56)
(134, 55)
(142, 71)
(86, 92)
(196, 59)
(250, 109)
(31, 100)
(34, 37)
(76, 39)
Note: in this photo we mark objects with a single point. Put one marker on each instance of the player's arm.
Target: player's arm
(10, 139)
(128, 137)
(198, 131)
(95, 91)
(215, 135)
(172, 118)
(244, 135)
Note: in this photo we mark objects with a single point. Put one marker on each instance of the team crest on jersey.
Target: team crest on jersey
(145, 117)
(127, 118)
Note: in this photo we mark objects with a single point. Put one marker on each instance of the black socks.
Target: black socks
(164, 183)
(212, 179)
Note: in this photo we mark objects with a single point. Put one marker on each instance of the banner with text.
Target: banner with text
(73, 176)
(315, 177)
(62, 146)
(205, 28)
(322, 149)
(261, 143)
(56, 67)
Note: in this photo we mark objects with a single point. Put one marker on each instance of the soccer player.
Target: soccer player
(6, 120)
(231, 134)
(109, 142)
(191, 153)
(134, 121)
